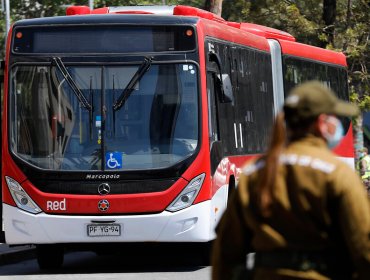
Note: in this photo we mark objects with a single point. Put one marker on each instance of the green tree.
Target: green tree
(214, 6)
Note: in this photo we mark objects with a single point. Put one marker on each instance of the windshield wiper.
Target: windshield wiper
(132, 83)
(85, 103)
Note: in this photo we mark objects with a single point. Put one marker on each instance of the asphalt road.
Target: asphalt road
(144, 265)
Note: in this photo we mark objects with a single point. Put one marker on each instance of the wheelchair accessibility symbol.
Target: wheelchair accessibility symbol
(113, 160)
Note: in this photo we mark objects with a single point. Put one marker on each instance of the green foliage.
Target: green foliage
(283, 15)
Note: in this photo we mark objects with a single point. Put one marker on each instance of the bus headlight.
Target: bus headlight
(20, 197)
(188, 195)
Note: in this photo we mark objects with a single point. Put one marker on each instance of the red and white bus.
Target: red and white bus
(131, 124)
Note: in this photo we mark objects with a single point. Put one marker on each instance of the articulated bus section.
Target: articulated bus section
(132, 124)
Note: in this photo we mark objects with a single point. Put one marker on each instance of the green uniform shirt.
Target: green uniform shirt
(321, 205)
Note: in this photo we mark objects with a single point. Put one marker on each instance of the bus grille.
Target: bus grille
(91, 188)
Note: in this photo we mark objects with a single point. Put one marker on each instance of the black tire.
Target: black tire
(50, 256)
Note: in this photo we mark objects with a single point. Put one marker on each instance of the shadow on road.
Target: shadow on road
(130, 258)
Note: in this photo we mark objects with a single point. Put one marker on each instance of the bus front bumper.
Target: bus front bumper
(193, 224)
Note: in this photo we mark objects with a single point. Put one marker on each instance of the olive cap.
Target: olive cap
(310, 99)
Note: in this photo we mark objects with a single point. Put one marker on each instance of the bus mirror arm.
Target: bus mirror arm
(224, 89)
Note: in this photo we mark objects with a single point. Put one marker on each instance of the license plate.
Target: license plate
(104, 230)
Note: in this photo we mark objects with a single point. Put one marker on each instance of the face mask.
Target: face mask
(334, 139)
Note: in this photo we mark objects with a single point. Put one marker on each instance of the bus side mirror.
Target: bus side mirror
(227, 89)
(223, 81)
(224, 89)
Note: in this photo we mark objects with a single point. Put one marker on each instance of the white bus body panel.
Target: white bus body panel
(349, 161)
(157, 10)
(192, 224)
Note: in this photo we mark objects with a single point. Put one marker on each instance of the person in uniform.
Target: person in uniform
(303, 211)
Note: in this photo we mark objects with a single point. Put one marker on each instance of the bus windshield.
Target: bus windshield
(156, 127)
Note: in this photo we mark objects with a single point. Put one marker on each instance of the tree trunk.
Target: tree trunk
(214, 6)
(329, 14)
(358, 142)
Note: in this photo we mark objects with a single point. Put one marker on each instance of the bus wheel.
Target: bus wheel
(50, 256)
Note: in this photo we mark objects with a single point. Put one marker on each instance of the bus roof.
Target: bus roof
(312, 53)
(103, 19)
(211, 24)
(225, 32)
